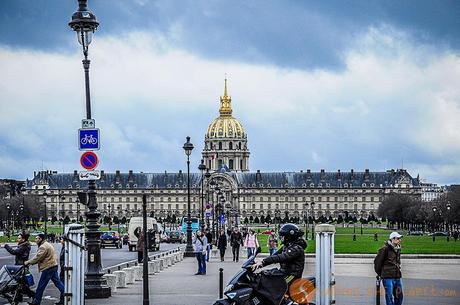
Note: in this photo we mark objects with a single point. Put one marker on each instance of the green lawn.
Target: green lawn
(57, 230)
(365, 243)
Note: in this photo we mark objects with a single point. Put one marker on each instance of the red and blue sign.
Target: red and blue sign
(89, 160)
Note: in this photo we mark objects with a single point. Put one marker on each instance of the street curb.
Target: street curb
(404, 256)
(134, 262)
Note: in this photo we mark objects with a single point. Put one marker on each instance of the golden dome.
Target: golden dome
(225, 126)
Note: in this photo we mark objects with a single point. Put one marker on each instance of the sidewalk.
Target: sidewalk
(426, 281)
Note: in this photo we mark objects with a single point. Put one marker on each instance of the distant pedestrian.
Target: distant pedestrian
(251, 243)
(140, 246)
(200, 244)
(387, 265)
(455, 235)
(48, 266)
(272, 244)
(62, 260)
(376, 237)
(222, 244)
(209, 247)
(236, 240)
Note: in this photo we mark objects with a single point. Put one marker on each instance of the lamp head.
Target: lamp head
(188, 147)
(84, 23)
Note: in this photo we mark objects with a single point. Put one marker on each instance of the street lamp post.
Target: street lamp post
(188, 147)
(84, 24)
(61, 199)
(8, 209)
(46, 214)
(312, 205)
(305, 219)
(207, 176)
(202, 168)
(435, 209)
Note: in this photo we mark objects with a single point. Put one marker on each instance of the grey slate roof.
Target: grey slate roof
(244, 180)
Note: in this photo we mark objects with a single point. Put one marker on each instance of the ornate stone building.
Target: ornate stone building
(226, 143)
(230, 185)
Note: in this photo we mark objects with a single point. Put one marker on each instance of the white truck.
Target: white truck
(153, 233)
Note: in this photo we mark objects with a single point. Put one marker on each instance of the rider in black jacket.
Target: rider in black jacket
(291, 256)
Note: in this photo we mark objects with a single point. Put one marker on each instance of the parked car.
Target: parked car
(175, 237)
(439, 233)
(416, 233)
(125, 239)
(111, 239)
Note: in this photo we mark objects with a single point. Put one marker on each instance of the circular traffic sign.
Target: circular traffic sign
(89, 160)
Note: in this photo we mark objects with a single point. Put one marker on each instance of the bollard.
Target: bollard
(377, 291)
(325, 278)
(221, 283)
(73, 265)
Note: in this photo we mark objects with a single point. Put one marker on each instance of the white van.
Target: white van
(135, 227)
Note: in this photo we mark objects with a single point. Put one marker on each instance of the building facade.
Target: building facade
(230, 186)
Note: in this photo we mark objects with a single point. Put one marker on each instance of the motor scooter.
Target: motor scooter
(267, 287)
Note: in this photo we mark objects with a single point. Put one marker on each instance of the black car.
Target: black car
(174, 237)
(437, 233)
(111, 239)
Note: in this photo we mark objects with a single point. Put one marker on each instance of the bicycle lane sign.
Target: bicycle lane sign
(88, 139)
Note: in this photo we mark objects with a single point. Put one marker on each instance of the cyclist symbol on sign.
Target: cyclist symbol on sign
(88, 139)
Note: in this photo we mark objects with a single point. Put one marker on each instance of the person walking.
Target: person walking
(272, 244)
(236, 240)
(62, 259)
(387, 265)
(140, 246)
(22, 251)
(48, 266)
(21, 255)
(209, 247)
(222, 244)
(251, 242)
(200, 244)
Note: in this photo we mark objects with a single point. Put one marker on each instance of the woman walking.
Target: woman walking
(251, 242)
(222, 244)
(200, 244)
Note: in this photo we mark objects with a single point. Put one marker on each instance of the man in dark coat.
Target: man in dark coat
(387, 265)
(22, 251)
(236, 240)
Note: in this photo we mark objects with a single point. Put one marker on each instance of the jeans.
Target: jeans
(46, 276)
(251, 251)
(272, 251)
(393, 291)
(236, 252)
(200, 257)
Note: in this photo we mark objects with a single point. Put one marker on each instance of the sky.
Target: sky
(316, 84)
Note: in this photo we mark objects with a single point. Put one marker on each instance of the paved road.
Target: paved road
(110, 257)
(426, 282)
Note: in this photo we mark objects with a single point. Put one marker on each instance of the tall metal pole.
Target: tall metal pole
(145, 258)
(84, 24)
(189, 247)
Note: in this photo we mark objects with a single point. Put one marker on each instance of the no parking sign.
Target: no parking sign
(89, 160)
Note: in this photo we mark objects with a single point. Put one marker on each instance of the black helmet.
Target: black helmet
(290, 232)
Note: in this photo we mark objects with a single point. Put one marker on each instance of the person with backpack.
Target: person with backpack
(387, 265)
(200, 244)
(251, 243)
